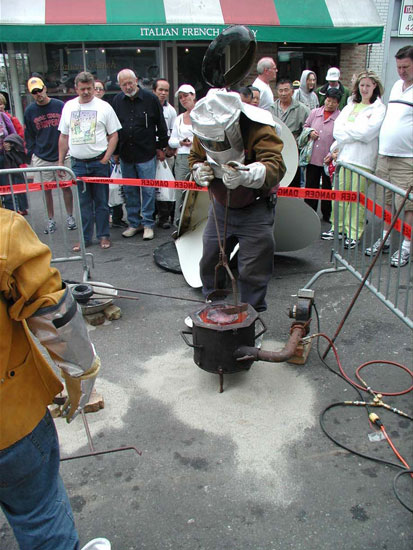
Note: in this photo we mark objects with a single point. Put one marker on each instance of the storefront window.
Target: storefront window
(58, 64)
(18, 56)
(294, 59)
(63, 63)
(104, 62)
(189, 68)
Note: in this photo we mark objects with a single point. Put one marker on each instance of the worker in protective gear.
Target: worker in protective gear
(237, 153)
(33, 301)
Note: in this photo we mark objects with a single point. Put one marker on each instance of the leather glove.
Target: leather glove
(202, 174)
(78, 390)
(236, 174)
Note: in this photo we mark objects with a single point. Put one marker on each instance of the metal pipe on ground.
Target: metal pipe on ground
(257, 354)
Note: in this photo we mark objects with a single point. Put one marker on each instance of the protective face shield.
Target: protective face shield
(215, 121)
(236, 44)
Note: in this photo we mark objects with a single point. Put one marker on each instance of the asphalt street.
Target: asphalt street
(248, 469)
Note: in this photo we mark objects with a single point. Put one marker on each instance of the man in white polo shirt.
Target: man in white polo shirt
(267, 71)
(395, 162)
(89, 131)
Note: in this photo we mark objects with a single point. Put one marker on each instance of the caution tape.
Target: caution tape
(36, 186)
(291, 192)
(319, 194)
(135, 182)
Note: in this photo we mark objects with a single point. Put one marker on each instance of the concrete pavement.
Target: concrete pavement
(249, 469)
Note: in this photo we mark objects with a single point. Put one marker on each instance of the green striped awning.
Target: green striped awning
(316, 21)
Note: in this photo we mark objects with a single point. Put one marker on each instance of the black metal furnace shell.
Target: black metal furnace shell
(214, 345)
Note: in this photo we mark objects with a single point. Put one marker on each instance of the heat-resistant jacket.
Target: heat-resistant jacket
(27, 283)
(261, 144)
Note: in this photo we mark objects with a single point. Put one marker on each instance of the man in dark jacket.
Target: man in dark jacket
(333, 81)
(143, 132)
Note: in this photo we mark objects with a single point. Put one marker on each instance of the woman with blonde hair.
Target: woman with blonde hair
(357, 133)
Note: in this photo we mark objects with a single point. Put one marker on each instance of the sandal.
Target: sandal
(105, 243)
(76, 247)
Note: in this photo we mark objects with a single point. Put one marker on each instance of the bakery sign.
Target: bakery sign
(406, 19)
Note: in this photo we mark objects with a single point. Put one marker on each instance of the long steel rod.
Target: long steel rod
(97, 285)
(93, 452)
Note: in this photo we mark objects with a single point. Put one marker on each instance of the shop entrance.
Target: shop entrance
(293, 59)
(186, 60)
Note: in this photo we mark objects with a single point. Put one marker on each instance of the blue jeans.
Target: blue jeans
(93, 198)
(140, 201)
(32, 494)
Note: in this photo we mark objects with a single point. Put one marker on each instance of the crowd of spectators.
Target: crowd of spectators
(329, 121)
(353, 126)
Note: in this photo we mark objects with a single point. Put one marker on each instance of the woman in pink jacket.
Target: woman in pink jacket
(321, 120)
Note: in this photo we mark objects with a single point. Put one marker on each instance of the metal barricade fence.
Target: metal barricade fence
(358, 226)
(16, 181)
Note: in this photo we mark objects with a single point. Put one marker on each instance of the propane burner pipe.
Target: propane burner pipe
(257, 354)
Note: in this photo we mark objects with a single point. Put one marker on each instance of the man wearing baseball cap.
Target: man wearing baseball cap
(333, 81)
(41, 121)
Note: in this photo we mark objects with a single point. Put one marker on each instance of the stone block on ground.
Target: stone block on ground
(112, 312)
(95, 402)
(95, 319)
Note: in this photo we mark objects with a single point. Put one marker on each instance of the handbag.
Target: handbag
(115, 190)
(163, 172)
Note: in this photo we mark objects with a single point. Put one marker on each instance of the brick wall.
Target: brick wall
(376, 54)
(264, 49)
(352, 61)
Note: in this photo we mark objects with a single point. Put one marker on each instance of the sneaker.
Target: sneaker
(97, 544)
(71, 223)
(148, 234)
(164, 225)
(329, 235)
(132, 231)
(50, 227)
(119, 223)
(373, 250)
(400, 258)
(350, 243)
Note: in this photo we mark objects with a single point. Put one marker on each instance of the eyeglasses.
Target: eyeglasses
(36, 91)
(99, 89)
